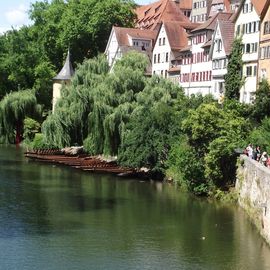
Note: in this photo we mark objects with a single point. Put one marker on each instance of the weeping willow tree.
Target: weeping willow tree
(14, 108)
(68, 124)
(95, 107)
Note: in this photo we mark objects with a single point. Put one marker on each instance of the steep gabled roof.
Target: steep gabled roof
(67, 70)
(258, 5)
(176, 34)
(122, 34)
(211, 23)
(227, 33)
(149, 16)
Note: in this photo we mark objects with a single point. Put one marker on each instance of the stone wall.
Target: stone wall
(253, 187)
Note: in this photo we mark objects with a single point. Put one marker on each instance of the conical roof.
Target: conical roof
(67, 71)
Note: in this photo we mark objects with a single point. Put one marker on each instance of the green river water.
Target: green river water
(54, 217)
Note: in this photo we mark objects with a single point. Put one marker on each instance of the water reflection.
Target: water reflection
(54, 217)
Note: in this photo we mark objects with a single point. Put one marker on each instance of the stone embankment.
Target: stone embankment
(253, 187)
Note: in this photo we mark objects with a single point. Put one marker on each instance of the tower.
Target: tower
(62, 78)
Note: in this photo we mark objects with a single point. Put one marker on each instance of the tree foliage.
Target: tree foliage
(31, 57)
(261, 134)
(96, 106)
(14, 108)
(212, 135)
(261, 106)
(233, 78)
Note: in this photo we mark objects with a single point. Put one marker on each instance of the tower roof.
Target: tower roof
(67, 70)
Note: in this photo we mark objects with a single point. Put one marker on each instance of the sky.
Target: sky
(14, 13)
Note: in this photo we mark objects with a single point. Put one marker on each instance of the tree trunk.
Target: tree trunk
(18, 133)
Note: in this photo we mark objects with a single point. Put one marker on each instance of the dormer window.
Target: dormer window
(157, 8)
(146, 12)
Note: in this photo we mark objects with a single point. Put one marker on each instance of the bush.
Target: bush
(184, 165)
(39, 142)
(31, 127)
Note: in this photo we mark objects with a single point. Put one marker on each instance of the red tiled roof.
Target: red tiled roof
(264, 11)
(185, 49)
(122, 34)
(227, 33)
(211, 23)
(163, 10)
(258, 5)
(176, 34)
(174, 69)
(185, 4)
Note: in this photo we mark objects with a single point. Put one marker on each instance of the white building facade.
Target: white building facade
(196, 67)
(219, 53)
(162, 54)
(247, 26)
(122, 40)
(196, 75)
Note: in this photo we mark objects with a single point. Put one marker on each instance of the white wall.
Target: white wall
(112, 50)
(219, 60)
(247, 92)
(197, 87)
(162, 50)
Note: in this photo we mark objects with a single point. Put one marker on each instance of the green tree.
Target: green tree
(261, 106)
(260, 135)
(153, 126)
(31, 57)
(214, 133)
(233, 78)
(97, 104)
(14, 108)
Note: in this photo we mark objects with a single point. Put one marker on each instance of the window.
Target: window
(247, 48)
(265, 52)
(245, 8)
(218, 45)
(146, 12)
(249, 71)
(255, 71)
(161, 73)
(166, 73)
(167, 57)
(263, 73)
(238, 30)
(157, 9)
(159, 41)
(158, 58)
(266, 29)
(163, 41)
(155, 58)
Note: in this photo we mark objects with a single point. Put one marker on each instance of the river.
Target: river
(54, 217)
